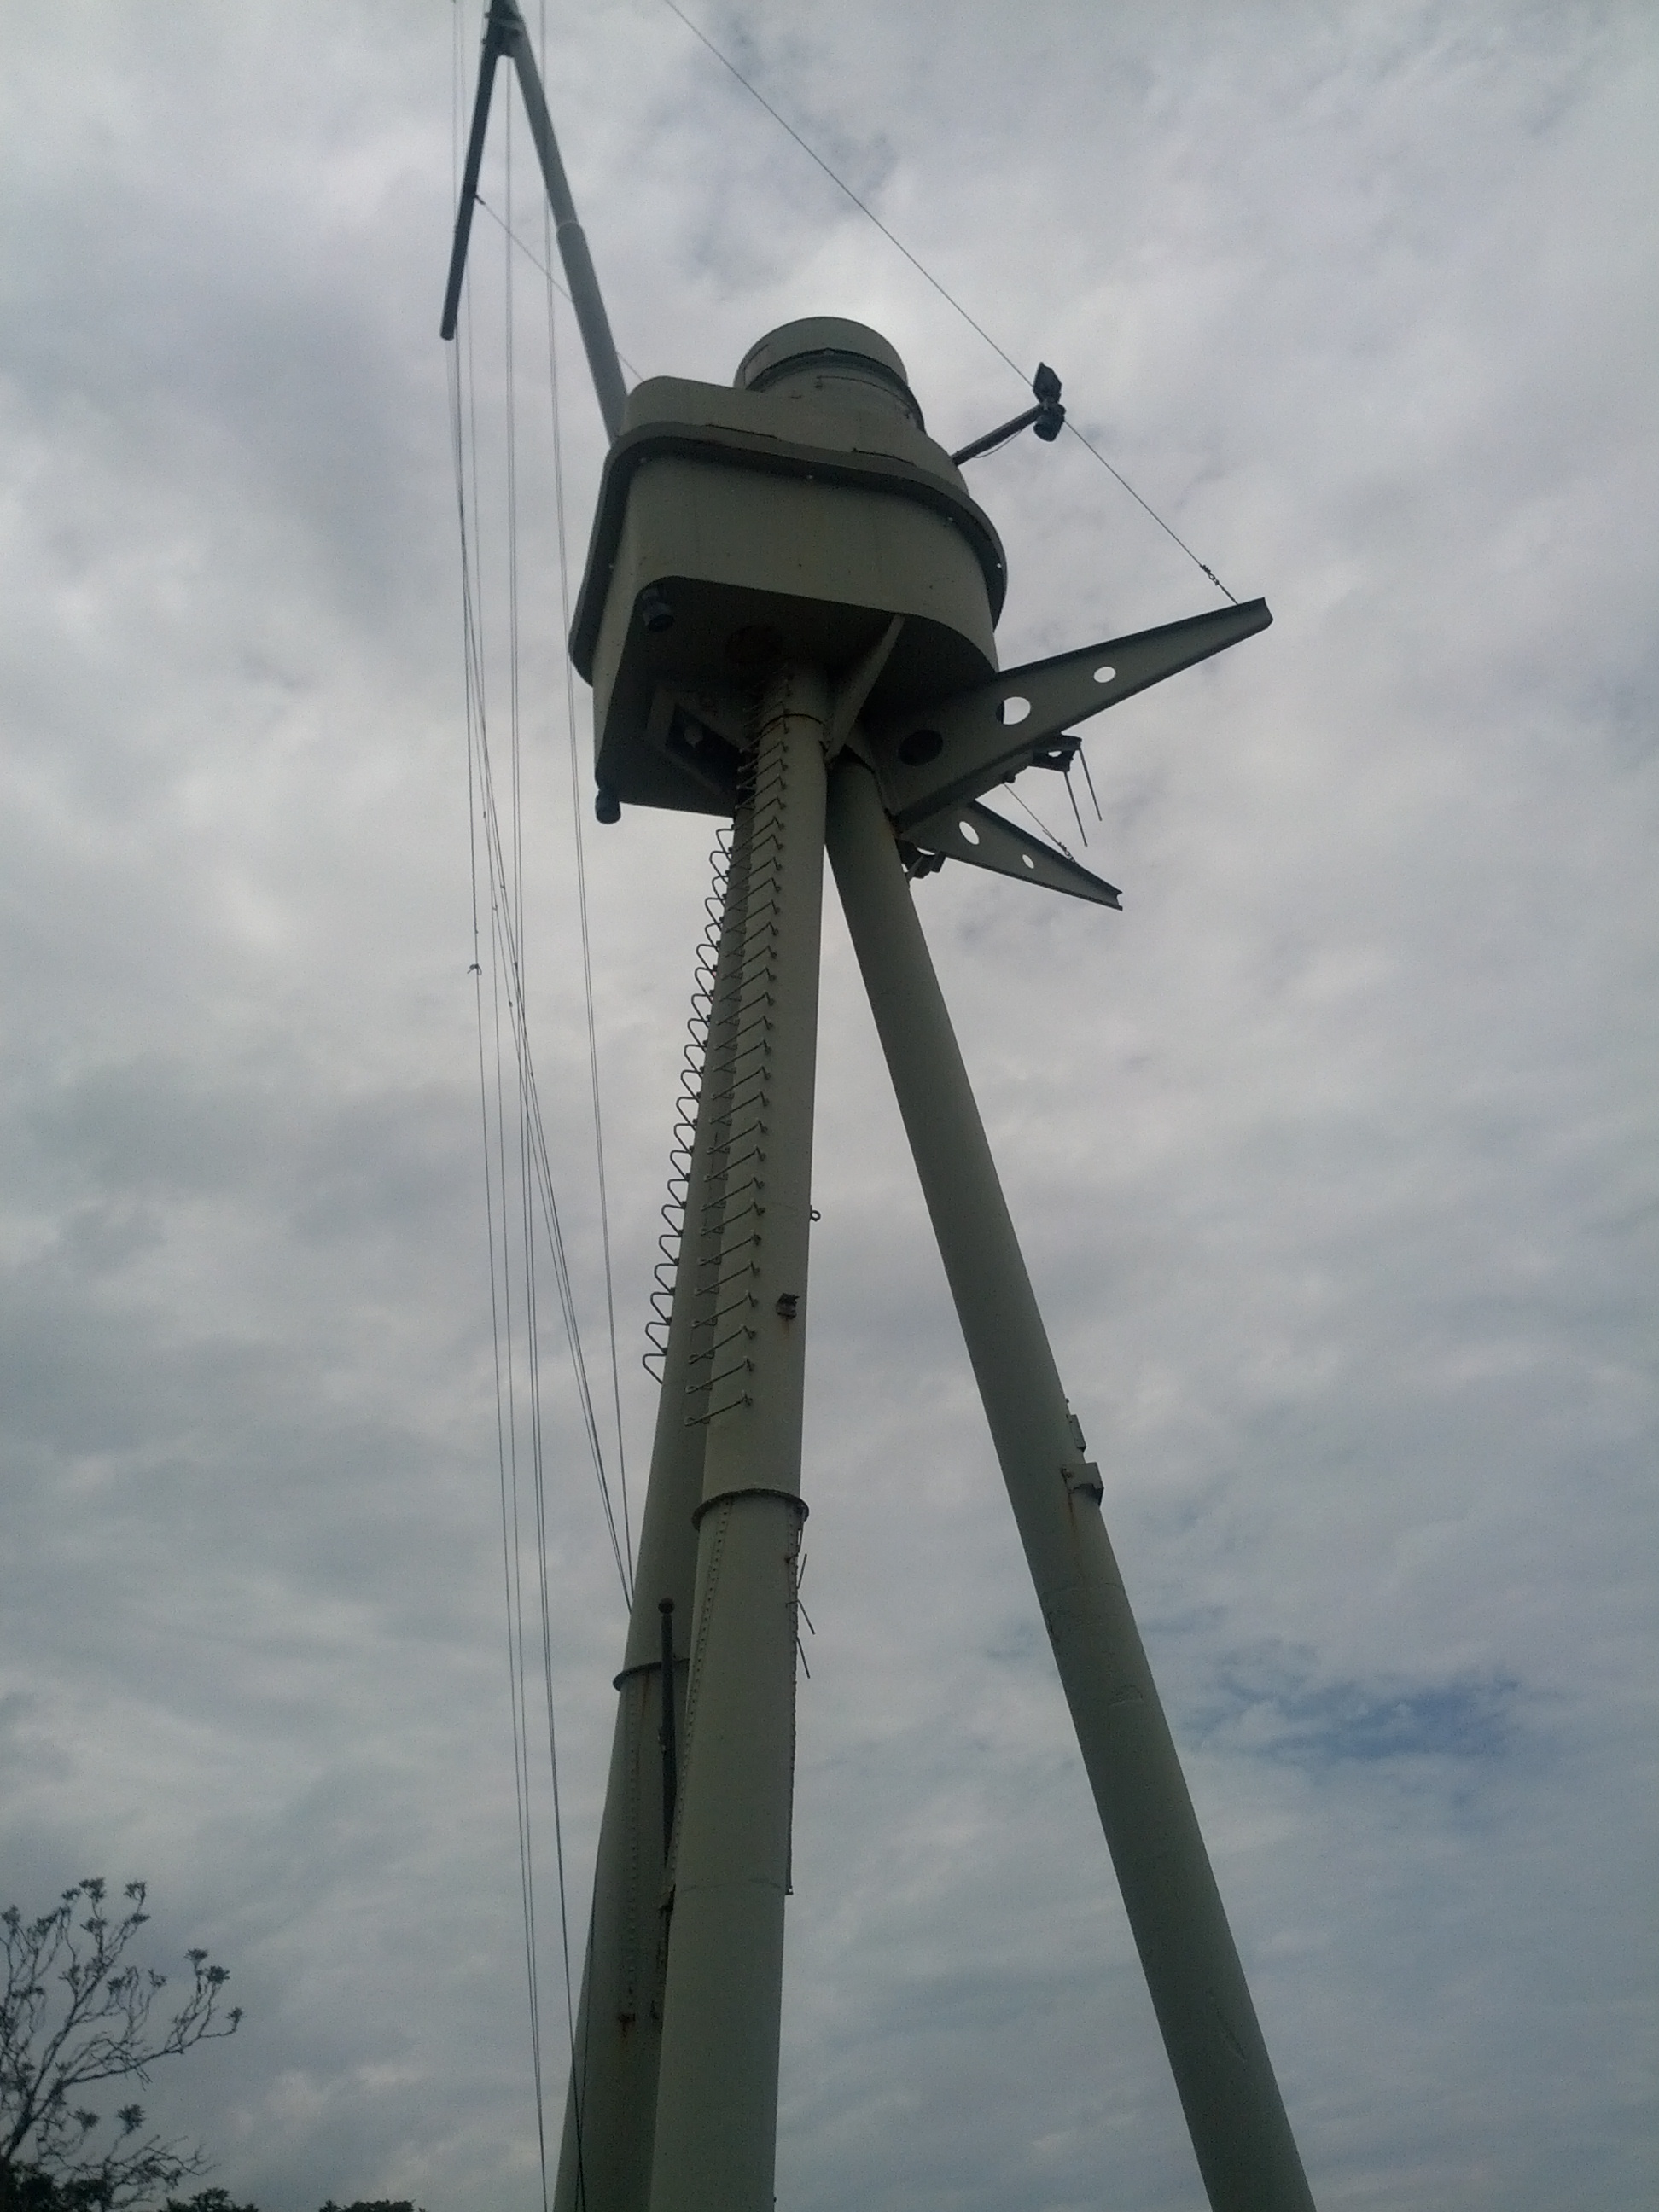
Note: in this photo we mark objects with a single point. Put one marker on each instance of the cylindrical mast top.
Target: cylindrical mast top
(830, 355)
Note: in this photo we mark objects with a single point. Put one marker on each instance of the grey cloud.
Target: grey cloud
(1273, 1703)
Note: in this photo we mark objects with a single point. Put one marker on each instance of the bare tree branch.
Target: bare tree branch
(74, 2012)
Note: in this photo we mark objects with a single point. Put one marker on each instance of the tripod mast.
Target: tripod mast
(787, 619)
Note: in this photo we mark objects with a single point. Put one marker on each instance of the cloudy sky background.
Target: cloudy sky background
(1332, 1153)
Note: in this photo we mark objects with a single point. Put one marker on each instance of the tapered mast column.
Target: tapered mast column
(604, 2157)
(716, 2127)
(1243, 2138)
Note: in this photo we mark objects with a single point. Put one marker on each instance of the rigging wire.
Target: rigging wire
(536, 263)
(523, 1165)
(540, 1155)
(1041, 823)
(949, 298)
(496, 1188)
(577, 837)
(513, 986)
(1075, 809)
(500, 1290)
(516, 1145)
(1083, 759)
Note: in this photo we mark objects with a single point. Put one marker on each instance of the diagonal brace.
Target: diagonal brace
(505, 35)
(939, 756)
(1246, 2153)
(973, 833)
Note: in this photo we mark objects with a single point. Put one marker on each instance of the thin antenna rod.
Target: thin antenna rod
(505, 33)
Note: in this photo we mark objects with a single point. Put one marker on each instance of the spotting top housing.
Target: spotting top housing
(790, 517)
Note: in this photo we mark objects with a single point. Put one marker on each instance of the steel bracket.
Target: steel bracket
(1083, 1478)
(973, 833)
(941, 755)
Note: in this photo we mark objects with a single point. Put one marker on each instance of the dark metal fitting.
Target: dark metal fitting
(1082, 1476)
(656, 611)
(1045, 418)
(1045, 390)
(916, 863)
(788, 1304)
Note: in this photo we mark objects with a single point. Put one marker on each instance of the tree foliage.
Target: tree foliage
(218, 2200)
(73, 2013)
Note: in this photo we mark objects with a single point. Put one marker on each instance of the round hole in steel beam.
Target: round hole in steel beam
(1104, 675)
(920, 747)
(969, 832)
(1029, 861)
(1013, 710)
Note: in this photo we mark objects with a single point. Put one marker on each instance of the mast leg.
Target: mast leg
(1246, 2153)
(716, 2125)
(604, 2157)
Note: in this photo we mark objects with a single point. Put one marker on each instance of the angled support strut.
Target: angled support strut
(505, 35)
(1246, 2153)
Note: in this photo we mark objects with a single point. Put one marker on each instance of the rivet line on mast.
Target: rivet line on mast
(694, 1054)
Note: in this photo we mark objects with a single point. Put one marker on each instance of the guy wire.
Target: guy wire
(503, 914)
(526, 1170)
(533, 1167)
(949, 298)
(500, 1285)
(502, 1307)
(1057, 842)
(576, 829)
(506, 1408)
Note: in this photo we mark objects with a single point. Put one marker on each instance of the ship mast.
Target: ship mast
(788, 621)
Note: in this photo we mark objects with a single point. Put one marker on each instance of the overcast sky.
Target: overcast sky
(1332, 1153)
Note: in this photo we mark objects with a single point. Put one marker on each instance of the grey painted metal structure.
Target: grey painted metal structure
(505, 35)
(1245, 2150)
(788, 619)
(717, 2087)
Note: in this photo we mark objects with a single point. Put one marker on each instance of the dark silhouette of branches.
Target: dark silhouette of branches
(74, 2013)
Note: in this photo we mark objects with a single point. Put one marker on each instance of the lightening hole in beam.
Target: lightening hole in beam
(1104, 675)
(1029, 861)
(969, 832)
(1013, 710)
